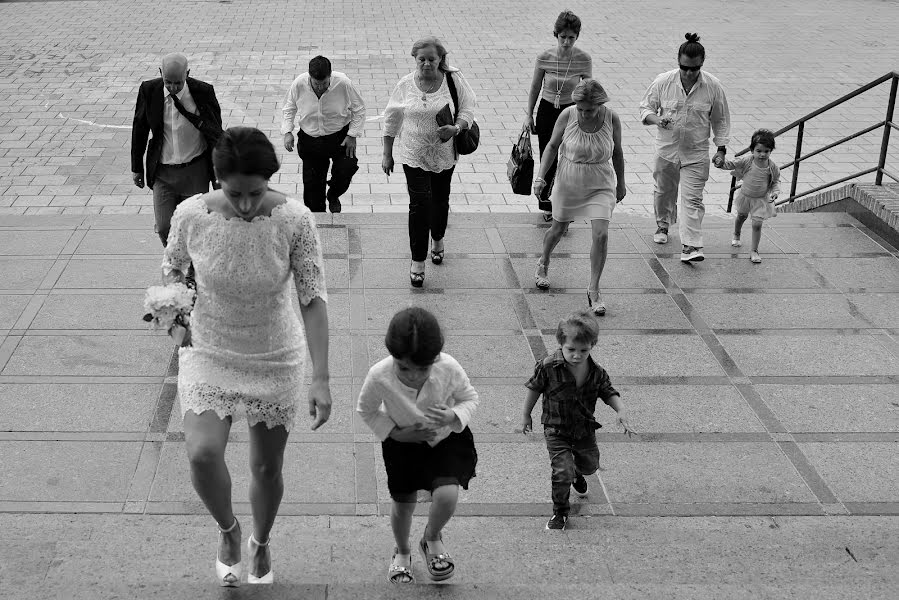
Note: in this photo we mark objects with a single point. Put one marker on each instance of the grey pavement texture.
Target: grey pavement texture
(69, 73)
(765, 395)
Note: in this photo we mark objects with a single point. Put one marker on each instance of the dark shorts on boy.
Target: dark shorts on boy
(418, 466)
(569, 457)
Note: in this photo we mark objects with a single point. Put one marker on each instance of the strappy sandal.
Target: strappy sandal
(598, 308)
(417, 279)
(541, 281)
(397, 573)
(437, 256)
(268, 578)
(432, 560)
(227, 575)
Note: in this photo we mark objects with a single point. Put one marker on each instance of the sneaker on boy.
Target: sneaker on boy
(570, 383)
(580, 485)
(557, 521)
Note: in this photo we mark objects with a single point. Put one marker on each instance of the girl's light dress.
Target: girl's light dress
(754, 196)
(249, 346)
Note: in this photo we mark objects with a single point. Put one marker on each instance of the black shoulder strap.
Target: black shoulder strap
(453, 94)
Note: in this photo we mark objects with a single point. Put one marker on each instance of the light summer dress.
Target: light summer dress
(249, 346)
(754, 196)
(585, 180)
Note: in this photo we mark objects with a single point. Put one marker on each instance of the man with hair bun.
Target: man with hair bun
(685, 105)
(330, 114)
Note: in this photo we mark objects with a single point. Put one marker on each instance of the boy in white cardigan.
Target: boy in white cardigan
(418, 401)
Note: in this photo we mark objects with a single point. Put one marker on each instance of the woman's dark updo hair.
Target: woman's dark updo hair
(691, 48)
(244, 151)
(414, 334)
(567, 20)
(765, 137)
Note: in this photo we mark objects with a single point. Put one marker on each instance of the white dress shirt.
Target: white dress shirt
(340, 105)
(693, 116)
(181, 141)
(385, 402)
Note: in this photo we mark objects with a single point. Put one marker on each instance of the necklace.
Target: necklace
(558, 97)
(424, 94)
(595, 129)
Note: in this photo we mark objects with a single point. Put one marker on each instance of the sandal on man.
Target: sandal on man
(541, 281)
(398, 573)
(432, 561)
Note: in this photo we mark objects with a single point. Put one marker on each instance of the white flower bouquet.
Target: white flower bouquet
(168, 307)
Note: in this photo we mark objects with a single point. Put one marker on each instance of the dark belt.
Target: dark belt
(194, 160)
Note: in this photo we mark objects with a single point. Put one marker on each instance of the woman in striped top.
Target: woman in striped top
(556, 72)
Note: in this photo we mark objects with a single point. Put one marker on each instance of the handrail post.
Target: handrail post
(885, 144)
(796, 159)
(730, 196)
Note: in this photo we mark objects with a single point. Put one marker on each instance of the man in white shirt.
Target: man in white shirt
(685, 104)
(185, 120)
(330, 114)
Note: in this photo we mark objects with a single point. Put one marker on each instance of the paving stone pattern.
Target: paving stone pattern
(69, 73)
(752, 385)
(765, 395)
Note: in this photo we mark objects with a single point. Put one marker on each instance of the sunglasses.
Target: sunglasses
(689, 69)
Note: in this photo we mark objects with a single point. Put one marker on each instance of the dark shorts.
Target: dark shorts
(418, 466)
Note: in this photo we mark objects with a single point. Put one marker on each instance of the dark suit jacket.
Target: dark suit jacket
(148, 118)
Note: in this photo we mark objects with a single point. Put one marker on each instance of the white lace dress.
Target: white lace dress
(249, 346)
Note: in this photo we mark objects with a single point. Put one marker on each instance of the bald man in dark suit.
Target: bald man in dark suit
(184, 118)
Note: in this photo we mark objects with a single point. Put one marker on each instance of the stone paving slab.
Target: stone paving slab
(68, 92)
(759, 393)
(319, 557)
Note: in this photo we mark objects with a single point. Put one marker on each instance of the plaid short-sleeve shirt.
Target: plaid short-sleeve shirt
(566, 406)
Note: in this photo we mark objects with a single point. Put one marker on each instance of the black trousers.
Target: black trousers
(317, 154)
(547, 115)
(428, 207)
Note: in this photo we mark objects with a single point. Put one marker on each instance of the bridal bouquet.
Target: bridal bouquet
(168, 307)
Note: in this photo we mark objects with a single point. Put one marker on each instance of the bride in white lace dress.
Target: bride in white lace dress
(246, 242)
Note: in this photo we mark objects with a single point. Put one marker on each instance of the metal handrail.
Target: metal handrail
(887, 125)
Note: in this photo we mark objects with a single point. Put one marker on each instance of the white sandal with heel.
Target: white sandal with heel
(268, 578)
(597, 307)
(228, 575)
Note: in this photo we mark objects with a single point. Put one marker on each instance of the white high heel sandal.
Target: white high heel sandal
(228, 575)
(268, 578)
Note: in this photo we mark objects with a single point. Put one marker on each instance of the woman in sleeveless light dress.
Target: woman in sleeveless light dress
(589, 179)
(246, 242)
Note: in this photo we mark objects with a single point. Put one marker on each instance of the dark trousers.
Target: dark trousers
(317, 154)
(569, 456)
(547, 115)
(171, 187)
(428, 207)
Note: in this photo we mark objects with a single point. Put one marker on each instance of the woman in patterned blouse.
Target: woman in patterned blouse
(426, 150)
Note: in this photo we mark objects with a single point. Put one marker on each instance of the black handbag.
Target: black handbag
(520, 167)
(468, 139)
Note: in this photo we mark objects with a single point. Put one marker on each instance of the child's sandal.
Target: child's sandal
(398, 573)
(432, 562)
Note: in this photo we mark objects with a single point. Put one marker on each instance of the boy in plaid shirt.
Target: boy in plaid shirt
(570, 382)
